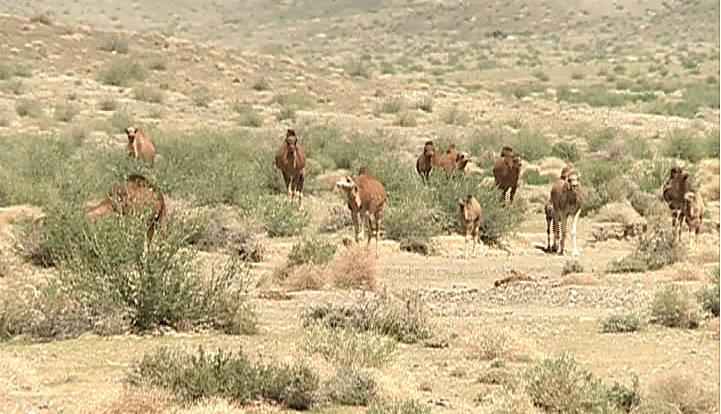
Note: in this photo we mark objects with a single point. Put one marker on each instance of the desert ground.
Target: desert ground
(621, 90)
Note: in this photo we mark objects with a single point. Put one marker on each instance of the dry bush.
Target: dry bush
(620, 212)
(499, 343)
(347, 347)
(355, 268)
(224, 229)
(510, 401)
(146, 400)
(16, 374)
(306, 277)
(651, 406)
(686, 391)
(580, 279)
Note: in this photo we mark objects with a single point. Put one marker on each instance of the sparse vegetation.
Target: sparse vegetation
(673, 306)
(115, 44)
(311, 250)
(122, 72)
(572, 266)
(29, 108)
(193, 376)
(655, 249)
(709, 295)
(347, 346)
(621, 323)
(249, 117)
(65, 113)
(261, 84)
(148, 94)
(351, 386)
(202, 96)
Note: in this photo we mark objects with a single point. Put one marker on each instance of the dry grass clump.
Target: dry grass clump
(306, 277)
(16, 374)
(146, 400)
(499, 343)
(348, 347)
(510, 401)
(620, 212)
(686, 391)
(355, 268)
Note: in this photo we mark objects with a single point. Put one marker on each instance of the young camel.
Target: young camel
(693, 210)
(567, 199)
(427, 161)
(449, 159)
(366, 196)
(674, 190)
(139, 146)
(506, 171)
(290, 159)
(548, 210)
(471, 221)
(135, 196)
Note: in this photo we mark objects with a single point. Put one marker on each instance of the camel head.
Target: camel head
(451, 148)
(347, 184)
(291, 140)
(517, 163)
(429, 149)
(573, 178)
(506, 151)
(675, 171)
(363, 171)
(689, 196)
(564, 172)
(131, 131)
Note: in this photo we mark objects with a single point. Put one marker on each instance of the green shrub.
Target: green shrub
(122, 72)
(157, 63)
(29, 107)
(572, 266)
(654, 173)
(673, 307)
(557, 384)
(425, 103)
(284, 219)
(600, 139)
(713, 144)
(684, 144)
(621, 323)
(534, 177)
(655, 249)
(623, 397)
(351, 386)
(455, 116)
(261, 84)
(66, 113)
(532, 146)
(295, 100)
(107, 104)
(231, 375)
(312, 250)
(709, 295)
(408, 406)
(405, 319)
(202, 96)
(121, 120)
(566, 151)
(249, 117)
(114, 43)
(406, 119)
(599, 179)
(391, 106)
(13, 86)
(286, 114)
(357, 68)
(148, 94)
(348, 347)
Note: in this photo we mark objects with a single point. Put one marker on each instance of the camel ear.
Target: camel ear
(578, 174)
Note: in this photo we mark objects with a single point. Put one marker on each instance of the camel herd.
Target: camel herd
(366, 194)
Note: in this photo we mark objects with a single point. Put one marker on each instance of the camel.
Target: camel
(134, 196)
(290, 159)
(506, 171)
(548, 210)
(673, 193)
(139, 146)
(366, 196)
(449, 159)
(427, 161)
(567, 199)
(471, 221)
(693, 210)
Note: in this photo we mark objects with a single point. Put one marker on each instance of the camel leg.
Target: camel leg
(465, 241)
(356, 230)
(379, 220)
(369, 228)
(564, 228)
(288, 184)
(573, 232)
(300, 181)
(556, 223)
(513, 194)
(548, 234)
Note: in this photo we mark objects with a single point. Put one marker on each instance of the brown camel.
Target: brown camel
(366, 196)
(290, 159)
(506, 171)
(567, 199)
(471, 221)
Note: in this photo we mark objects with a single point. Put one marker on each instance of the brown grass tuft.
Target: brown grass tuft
(490, 342)
(133, 401)
(580, 279)
(355, 267)
(685, 390)
(306, 277)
